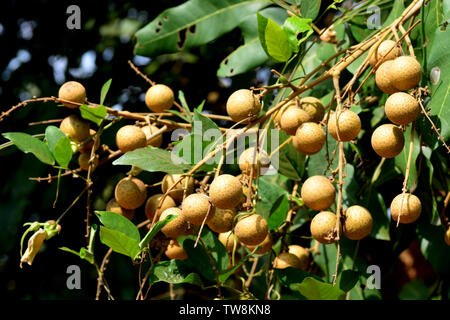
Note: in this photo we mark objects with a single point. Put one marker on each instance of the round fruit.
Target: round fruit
(177, 192)
(292, 118)
(130, 193)
(75, 128)
(251, 230)
(129, 138)
(225, 192)
(227, 239)
(406, 73)
(383, 77)
(318, 193)
(309, 138)
(243, 104)
(72, 91)
(87, 147)
(286, 260)
(195, 207)
(348, 124)
(447, 237)
(83, 161)
(174, 251)
(222, 220)
(406, 207)
(159, 98)
(301, 253)
(176, 227)
(155, 141)
(250, 158)
(388, 140)
(113, 206)
(387, 50)
(358, 223)
(401, 108)
(323, 227)
(152, 205)
(266, 245)
(313, 107)
(282, 110)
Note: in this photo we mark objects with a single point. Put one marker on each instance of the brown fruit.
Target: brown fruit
(87, 147)
(225, 192)
(318, 193)
(401, 108)
(75, 128)
(130, 193)
(406, 73)
(266, 245)
(175, 251)
(129, 138)
(323, 227)
(243, 104)
(348, 124)
(358, 223)
(387, 50)
(447, 237)
(222, 220)
(383, 77)
(309, 138)
(406, 207)
(282, 110)
(227, 239)
(292, 118)
(72, 91)
(152, 204)
(159, 98)
(388, 140)
(249, 159)
(286, 260)
(196, 207)
(313, 107)
(251, 230)
(83, 161)
(176, 227)
(301, 253)
(155, 141)
(177, 191)
(113, 206)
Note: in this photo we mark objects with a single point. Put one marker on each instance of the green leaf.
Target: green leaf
(153, 160)
(185, 106)
(156, 228)
(59, 145)
(29, 144)
(193, 23)
(434, 248)
(94, 114)
(225, 274)
(291, 276)
(291, 163)
(348, 279)
(293, 26)
(316, 290)
(179, 114)
(395, 12)
(119, 242)
(310, 9)
(269, 193)
(414, 290)
(401, 160)
(104, 91)
(273, 40)
(115, 221)
(173, 271)
(278, 213)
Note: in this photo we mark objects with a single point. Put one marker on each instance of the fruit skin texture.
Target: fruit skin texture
(130, 193)
(225, 192)
(249, 159)
(159, 98)
(265, 245)
(383, 78)
(282, 110)
(349, 125)
(309, 138)
(72, 91)
(75, 128)
(177, 226)
(323, 227)
(177, 192)
(113, 206)
(384, 50)
(83, 161)
(222, 220)
(401, 108)
(318, 193)
(358, 223)
(195, 207)
(243, 104)
(152, 205)
(155, 141)
(313, 107)
(251, 230)
(407, 207)
(175, 251)
(292, 119)
(285, 260)
(388, 140)
(129, 138)
(406, 73)
(447, 237)
(227, 239)
(301, 253)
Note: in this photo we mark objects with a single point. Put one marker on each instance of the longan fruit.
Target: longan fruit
(222, 220)
(323, 227)
(155, 141)
(195, 207)
(292, 118)
(129, 138)
(152, 204)
(250, 158)
(282, 110)
(309, 138)
(83, 161)
(301, 253)
(383, 77)
(286, 260)
(72, 91)
(358, 223)
(251, 230)
(159, 98)
(401, 108)
(388, 140)
(113, 206)
(87, 147)
(177, 192)
(384, 50)
(76, 128)
(225, 192)
(175, 251)
(348, 124)
(406, 73)
(130, 193)
(176, 227)
(227, 239)
(265, 245)
(318, 193)
(243, 104)
(313, 107)
(406, 207)
(447, 237)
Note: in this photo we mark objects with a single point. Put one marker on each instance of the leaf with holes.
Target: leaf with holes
(294, 26)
